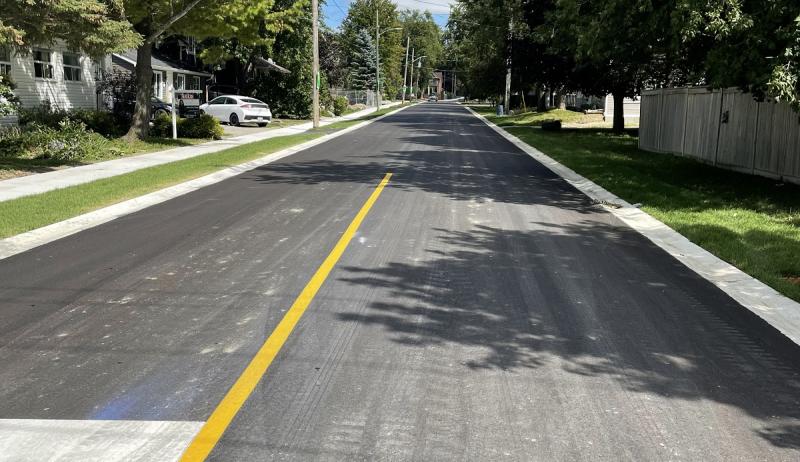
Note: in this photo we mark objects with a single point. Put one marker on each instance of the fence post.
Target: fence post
(719, 122)
(685, 118)
(755, 140)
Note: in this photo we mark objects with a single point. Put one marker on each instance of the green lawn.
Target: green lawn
(31, 212)
(15, 166)
(536, 118)
(748, 221)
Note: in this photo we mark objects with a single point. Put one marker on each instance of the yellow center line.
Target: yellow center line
(208, 436)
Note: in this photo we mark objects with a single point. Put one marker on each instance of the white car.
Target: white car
(236, 109)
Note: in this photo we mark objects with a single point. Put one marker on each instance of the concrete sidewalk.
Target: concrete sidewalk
(42, 182)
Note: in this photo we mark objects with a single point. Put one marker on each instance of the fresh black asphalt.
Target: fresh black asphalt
(486, 310)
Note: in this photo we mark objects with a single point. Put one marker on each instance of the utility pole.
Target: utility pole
(419, 73)
(411, 77)
(377, 61)
(507, 99)
(315, 61)
(405, 71)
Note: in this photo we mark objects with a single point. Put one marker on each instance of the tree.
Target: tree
(361, 17)
(425, 38)
(362, 66)
(753, 45)
(96, 27)
(332, 59)
(478, 38)
(253, 22)
(618, 46)
(290, 94)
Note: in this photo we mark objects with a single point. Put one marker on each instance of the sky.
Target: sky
(334, 11)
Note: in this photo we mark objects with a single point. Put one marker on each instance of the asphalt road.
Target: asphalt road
(485, 310)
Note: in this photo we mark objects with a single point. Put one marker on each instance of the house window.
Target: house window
(180, 82)
(158, 91)
(194, 83)
(42, 66)
(72, 67)
(5, 61)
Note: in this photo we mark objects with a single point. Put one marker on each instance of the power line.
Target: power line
(339, 7)
(431, 3)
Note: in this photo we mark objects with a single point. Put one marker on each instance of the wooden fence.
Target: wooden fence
(725, 128)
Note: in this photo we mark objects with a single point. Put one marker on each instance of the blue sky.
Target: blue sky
(334, 11)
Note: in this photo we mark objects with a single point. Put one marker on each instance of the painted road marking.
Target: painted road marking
(93, 440)
(226, 410)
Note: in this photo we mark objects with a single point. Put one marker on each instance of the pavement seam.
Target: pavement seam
(779, 311)
(31, 239)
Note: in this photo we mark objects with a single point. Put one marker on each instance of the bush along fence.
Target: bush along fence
(725, 128)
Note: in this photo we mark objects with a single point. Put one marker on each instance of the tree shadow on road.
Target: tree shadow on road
(456, 162)
(514, 300)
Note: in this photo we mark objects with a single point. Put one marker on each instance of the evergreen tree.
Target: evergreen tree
(362, 65)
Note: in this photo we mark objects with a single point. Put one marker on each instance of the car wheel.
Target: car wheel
(160, 112)
(233, 119)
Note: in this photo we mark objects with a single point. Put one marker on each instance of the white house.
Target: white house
(67, 79)
(52, 73)
(166, 76)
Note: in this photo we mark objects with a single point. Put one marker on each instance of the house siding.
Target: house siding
(61, 93)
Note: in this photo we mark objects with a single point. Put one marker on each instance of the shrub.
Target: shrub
(117, 90)
(9, 103)
(204, 126)
(339, 105)
(162, 126)
(45, 115)
(551, 125)
(70, 142)
(102, 122)
(10, 141)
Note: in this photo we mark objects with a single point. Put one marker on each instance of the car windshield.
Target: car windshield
(252, 100)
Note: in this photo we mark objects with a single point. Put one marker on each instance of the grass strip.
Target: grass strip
(751, 222)
(31, 212)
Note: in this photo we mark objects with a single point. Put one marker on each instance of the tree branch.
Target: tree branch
(161, 29)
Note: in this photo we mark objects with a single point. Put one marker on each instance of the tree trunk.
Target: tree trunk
(540, 103)
(561, 103)
(619, 112)
(140, 125)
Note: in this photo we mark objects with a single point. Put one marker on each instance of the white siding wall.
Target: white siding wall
(61, 93)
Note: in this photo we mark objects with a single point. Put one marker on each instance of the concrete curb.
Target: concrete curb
(21, 242)
(780, 312)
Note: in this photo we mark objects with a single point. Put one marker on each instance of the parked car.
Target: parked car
(158, 107)
(236, 109)
(433, 98)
